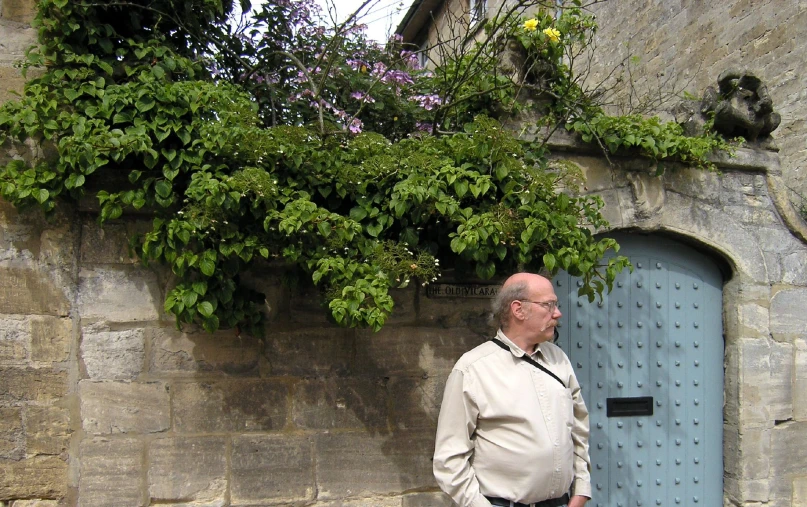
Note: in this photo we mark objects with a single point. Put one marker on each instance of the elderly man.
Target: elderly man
(513, 427)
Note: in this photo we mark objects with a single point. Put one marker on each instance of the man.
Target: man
(513, 427)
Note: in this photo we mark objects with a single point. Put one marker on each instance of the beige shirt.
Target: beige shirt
(507, 429)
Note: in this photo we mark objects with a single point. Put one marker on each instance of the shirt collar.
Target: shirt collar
(515, 349)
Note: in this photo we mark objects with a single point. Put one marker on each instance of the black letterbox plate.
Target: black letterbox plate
(626, 407)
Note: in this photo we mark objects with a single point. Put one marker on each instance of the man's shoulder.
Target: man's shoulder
(476, 354)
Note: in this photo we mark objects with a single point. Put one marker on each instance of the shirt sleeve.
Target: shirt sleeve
(454, 445)
(580, 433)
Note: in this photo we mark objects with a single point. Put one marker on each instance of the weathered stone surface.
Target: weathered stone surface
(437, 499)
(780, 389)
(116, 295)
(310, 352)
(753, 320)
(648, 194)
(755, 449)
(32, 384)
(18, 11)
(372, 501)
(124, 407)
(800, 380)
(794, 268)
(789, 459)
(696, 183)
(188, 470)
(27, 291)
(800, 490)
(271, 470)
(404, 351)
(230, 405)
(340, 403)
(113, 355)
(12, 440)
(47, 430)
(173, 352)
(755, 366)
(107, 244)
(416, 401)
(14, 340)
(50, 339)
(357, 464)
(788, 317)
(35, 503)
(111, 473)
(37, 477)
(12, 82)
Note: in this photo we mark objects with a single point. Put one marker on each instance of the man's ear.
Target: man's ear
(517, 310)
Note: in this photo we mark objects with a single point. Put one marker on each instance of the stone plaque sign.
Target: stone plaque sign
(461, 290)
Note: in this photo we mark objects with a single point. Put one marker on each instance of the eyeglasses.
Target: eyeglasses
(549, 305)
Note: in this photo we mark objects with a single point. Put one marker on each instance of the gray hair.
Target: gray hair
(503, 300)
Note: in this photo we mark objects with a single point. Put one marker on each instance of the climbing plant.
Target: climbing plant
(276, 137)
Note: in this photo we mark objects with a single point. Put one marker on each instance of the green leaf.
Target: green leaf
(145, 103)
(189, 299)
(42, 195)
(324, 229)
(358, 213)
(549, 261)
(207, 266)
(163, 189)
(200, 287)
(205, 309)
(158, 71)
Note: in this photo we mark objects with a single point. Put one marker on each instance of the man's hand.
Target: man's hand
(578, 501)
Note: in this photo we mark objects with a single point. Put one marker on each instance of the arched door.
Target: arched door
(649, 357)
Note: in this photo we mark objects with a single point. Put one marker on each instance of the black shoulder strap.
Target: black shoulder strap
(529, 360)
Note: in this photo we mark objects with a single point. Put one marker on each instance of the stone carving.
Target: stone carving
(741, 107)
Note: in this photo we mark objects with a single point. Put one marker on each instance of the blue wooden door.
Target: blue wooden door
(649, 357)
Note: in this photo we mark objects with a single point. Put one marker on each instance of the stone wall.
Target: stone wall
(685, 45)
(103, 402)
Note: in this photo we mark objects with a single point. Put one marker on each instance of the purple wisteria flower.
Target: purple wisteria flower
(355, 126)
(427, 102)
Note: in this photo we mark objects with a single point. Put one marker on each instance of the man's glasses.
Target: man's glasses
(549, 305)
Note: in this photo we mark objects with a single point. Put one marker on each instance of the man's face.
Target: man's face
(542, 311)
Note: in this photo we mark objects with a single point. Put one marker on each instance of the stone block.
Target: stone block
(124, 407)
(32, 384)
(412, 351)
(755, 368)
(755, 453)
(416, 401)
(18, 11)
(794, 268)
(695, 183)
(311, 352)
(800, 380)
(788, 317)
(14, 341)
(188, 470)
(800, 490)
(50, 339)
(35, 503)
(436, 499)
(12, 81)
(648, 194)
(339, 402)
(107, 244)
(753, 320)
(272, 469)
(30, 291)
(230, 405)
(115, 295)
(37, 477)
(358, 464)
(372, 501)
(47, 429)
(780, 389)
(173, 352)
(12, 437)
(787, 449)
(111, 473)
(113, 355)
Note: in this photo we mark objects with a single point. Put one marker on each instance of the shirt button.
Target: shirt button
(557, 469)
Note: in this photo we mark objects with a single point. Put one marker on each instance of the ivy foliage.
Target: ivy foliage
(283, 140)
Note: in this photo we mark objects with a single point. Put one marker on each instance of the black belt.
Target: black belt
(554, 502)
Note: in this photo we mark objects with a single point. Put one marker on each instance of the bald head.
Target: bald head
(520, 286)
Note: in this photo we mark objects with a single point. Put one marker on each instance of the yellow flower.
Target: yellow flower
(531, 25)
(552, 34)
